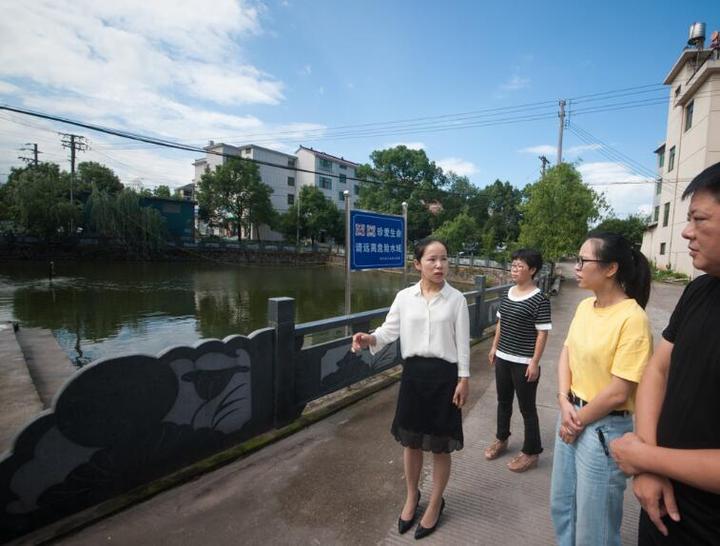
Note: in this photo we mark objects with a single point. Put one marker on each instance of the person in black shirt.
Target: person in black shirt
(675, 453)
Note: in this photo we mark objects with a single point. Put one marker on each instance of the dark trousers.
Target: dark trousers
(510, 379)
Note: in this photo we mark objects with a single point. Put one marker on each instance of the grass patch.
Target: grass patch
(659, 274)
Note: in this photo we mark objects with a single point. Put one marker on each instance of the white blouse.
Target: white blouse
(439, 328)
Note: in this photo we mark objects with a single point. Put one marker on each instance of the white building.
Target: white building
(692, 143)
(333, 175)
(286, 174)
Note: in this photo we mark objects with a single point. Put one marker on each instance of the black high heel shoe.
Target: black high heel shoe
(403, 525)
(422, 532)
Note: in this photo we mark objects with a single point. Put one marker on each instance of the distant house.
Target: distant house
(286, 174)
(186, 192)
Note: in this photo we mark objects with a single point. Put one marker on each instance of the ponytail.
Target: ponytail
(633, 273)
(638, 286)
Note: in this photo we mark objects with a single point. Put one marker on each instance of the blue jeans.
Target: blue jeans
(586, 493)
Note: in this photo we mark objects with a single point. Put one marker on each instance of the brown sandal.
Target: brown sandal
(523, 462)
(497, 448)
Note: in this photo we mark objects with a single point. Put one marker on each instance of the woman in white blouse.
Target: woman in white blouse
(432, 321)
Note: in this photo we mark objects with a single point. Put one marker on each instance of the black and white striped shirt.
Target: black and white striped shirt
(520, 319)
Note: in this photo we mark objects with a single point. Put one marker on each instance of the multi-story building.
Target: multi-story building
(286, 174)
(277, 170)
(692, 143)
(333, 175)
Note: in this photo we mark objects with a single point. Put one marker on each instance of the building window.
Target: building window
(662, 249)
(341, 196)
(666, 214)
(661, 158)
(671, 159)
(325, 183)
(689, 114)
(677, 90)
(325, 164)
(658, 187)
(291, 199)
(291, 162)
(343, 167)
(342, 179)
(356, 189)
(291, 180)
(656, 214)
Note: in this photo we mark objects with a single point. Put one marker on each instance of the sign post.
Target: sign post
(404, 248)
(348, 282)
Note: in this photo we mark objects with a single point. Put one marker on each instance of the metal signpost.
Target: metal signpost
(372, 241)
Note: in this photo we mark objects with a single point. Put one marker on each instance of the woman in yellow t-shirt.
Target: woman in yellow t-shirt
(605, 352)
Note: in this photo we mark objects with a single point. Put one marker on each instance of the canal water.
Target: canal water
(98, 310)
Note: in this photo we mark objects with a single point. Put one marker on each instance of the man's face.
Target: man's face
(703, 232)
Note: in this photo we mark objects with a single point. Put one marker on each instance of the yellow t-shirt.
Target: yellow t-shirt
(607, 341)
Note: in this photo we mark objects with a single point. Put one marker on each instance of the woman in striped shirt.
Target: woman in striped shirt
(520, 337)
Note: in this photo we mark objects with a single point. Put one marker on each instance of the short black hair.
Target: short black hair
(709, 180)
(530, 256)
(421, 245)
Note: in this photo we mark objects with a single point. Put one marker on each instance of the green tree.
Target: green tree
(162, 191)
(235, 192)
(400, 174)
(318, 215)
(558, 211)
(502, 226)
(459, 232)
(461, 195)
(91, 174)
(38, 202)
(632, 228)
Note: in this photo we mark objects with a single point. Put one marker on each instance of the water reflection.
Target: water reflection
(97, 310)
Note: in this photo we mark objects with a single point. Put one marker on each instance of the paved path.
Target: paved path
(340, 481)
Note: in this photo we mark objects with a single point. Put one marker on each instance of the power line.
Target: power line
(627, 160)
(484, 112)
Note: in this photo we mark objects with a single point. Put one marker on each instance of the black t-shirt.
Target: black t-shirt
(690, 415)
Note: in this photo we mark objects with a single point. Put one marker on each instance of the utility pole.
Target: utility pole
(76, 143)
(561, 115)
(34, 150)
(544, 161)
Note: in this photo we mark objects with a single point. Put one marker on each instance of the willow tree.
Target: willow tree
(121, 217)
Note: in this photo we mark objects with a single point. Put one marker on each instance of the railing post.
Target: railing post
(281, 317)
(479, 305)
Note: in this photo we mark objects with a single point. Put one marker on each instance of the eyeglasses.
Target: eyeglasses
(580, 261)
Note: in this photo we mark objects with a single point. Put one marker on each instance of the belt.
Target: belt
(576, 400)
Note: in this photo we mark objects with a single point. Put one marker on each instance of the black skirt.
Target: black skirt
(425, 417)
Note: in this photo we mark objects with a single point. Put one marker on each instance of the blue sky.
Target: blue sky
(287, 72)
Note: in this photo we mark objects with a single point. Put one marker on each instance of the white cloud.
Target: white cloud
(542, 149)
(173, 69)
(577, 150)
(515, 83)
(7, 88)
(612, 180)
(457, 165)
(551, 151)
(408, 145)
(306, 70)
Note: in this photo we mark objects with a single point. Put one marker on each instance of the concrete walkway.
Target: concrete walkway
(20, 400)
(340, 481)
